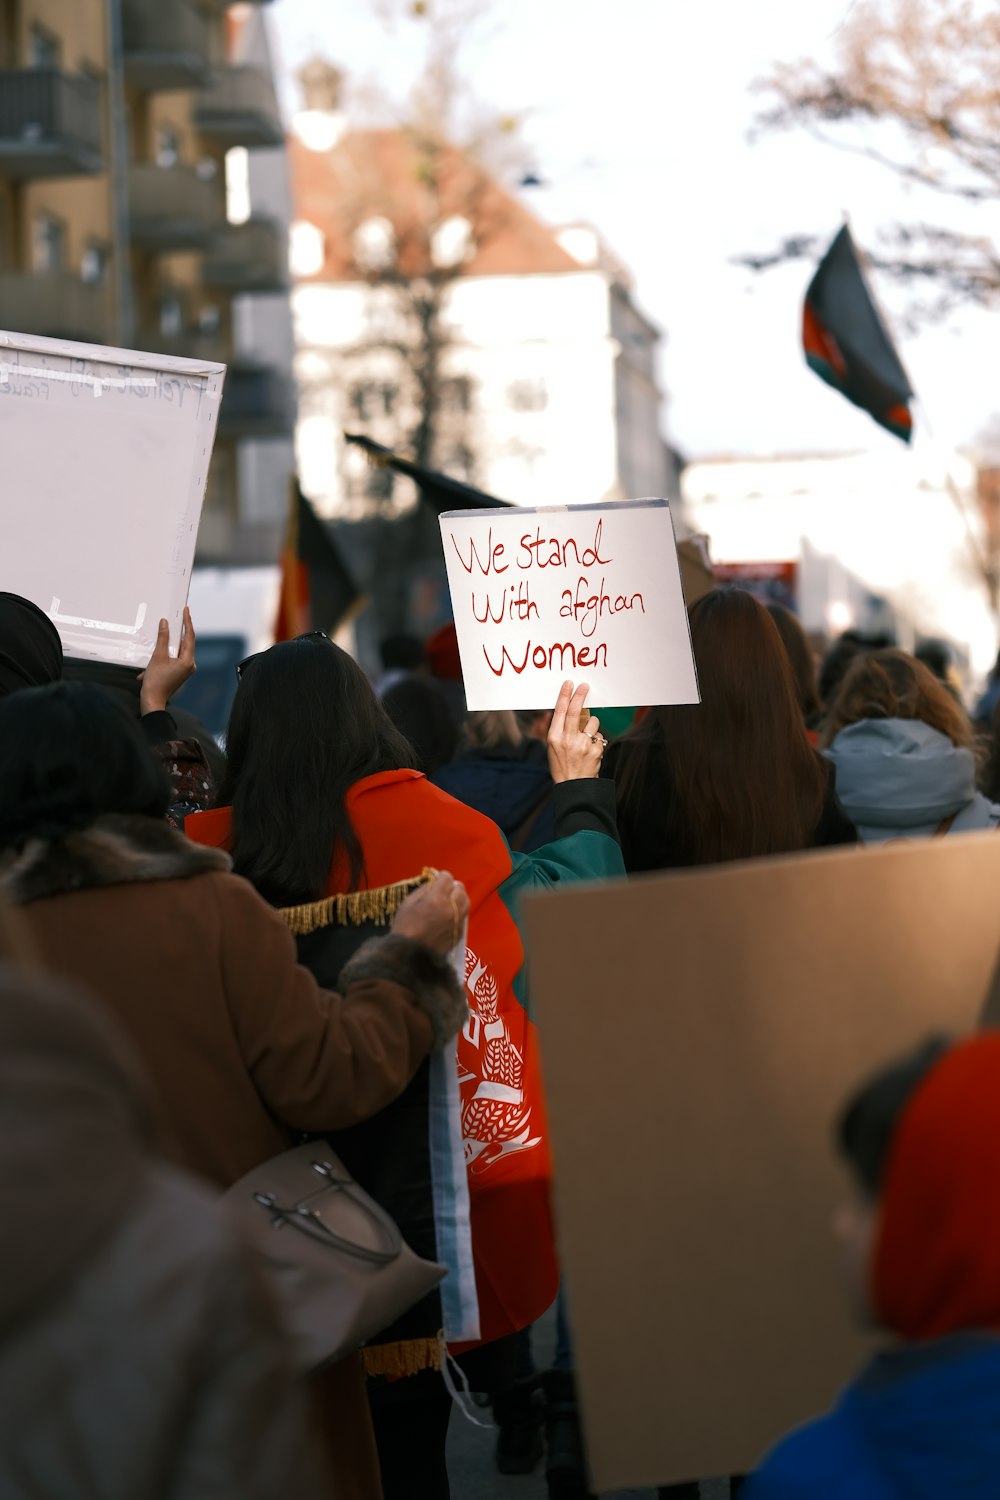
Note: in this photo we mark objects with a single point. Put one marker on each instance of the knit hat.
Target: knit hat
(31, 653)
(936, 1266)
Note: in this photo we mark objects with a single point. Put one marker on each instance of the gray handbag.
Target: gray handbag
(341, 1269)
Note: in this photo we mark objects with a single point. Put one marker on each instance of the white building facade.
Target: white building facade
(548, 379)
(887, 538)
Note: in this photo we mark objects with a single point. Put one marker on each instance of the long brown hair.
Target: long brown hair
(892, 685)
(742, 779)
(801, 657)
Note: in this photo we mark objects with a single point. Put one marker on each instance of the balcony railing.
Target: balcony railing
(250, 257)
(166, 44)
(50, 123)
(172, 208)
(239, 108)
(55, 304)
(257, 401)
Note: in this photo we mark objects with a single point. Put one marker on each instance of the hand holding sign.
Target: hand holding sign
(576, 746)
(166, 675)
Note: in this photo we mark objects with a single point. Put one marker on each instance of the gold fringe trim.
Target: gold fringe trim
(379, 905)
(409, 1357)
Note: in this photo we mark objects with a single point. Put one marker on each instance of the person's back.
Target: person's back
(903, 751)
(502, 770)
(922, 1242)
(140, 1354)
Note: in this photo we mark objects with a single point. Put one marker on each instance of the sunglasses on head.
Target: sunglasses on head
(310, 635)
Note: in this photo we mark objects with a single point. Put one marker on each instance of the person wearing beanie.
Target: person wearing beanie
(921, 1240)
(31, 653)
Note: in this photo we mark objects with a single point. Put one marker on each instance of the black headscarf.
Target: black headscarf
(31, 653)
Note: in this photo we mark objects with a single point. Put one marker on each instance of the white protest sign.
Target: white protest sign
(105, 460)
(588, 592)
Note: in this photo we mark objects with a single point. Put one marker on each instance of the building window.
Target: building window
(306, 249)
(238, 185)
(94, 263)
(452, 242)
(48, 243)
(44, 49)
(528, 395)
(368, 400)
(209, 318)
(461, 464)
(171, 314)
(168, 146)
(456, 394)
(375, 245)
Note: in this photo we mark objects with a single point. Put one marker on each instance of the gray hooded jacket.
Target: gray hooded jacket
(899, 778)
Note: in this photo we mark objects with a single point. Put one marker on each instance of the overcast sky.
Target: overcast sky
(637, 116)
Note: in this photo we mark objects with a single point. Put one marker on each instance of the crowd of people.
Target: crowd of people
(208, 955)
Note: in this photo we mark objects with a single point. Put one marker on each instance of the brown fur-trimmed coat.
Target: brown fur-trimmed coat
(236, 1036)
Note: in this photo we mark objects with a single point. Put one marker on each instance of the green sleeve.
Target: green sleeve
(584, 854)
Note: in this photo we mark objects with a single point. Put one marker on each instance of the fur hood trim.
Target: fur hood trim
(115, 850)
(434, 983)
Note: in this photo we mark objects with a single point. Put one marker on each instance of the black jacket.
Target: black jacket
(509, 785)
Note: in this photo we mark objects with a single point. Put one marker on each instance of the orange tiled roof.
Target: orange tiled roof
(377, 173)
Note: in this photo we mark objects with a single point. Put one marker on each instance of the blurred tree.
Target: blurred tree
(916, 88)
(419, 200)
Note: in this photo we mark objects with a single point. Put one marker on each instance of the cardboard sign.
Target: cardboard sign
(105, 459)
(589, 592)
(699, 1035)
(697, 574)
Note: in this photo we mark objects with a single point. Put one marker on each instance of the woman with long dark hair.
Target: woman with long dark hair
(733, 776)
(330, 822)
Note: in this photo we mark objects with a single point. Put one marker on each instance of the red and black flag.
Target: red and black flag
(847, 343)
(317, 589)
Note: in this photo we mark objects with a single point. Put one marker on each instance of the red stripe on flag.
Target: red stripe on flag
(821, 344)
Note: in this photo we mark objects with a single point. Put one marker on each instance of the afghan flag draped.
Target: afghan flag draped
(461, 1160)
(317, 589)
(847, 343)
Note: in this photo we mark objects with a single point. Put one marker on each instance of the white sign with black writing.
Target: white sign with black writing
(105, 462)
(590, 593)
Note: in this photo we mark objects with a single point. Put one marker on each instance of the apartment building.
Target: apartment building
(123, 221)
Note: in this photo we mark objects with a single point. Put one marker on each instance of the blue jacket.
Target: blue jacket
(922, 1423)
(505, 784)
(899, 778)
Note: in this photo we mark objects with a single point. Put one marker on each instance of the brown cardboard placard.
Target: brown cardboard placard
(692, 1080)
(697, 577)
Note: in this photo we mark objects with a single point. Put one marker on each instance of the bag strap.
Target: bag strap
(309, 1221)
(520, 834)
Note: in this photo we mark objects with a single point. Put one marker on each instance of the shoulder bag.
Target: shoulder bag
(341, 1269)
